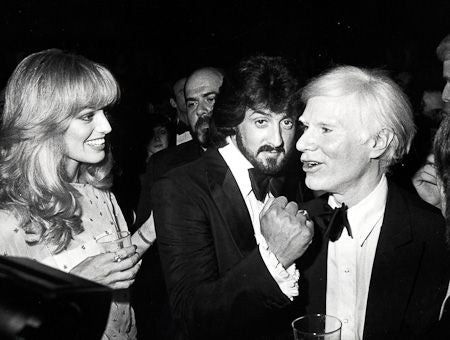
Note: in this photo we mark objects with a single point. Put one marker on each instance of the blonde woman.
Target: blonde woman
(55, 175)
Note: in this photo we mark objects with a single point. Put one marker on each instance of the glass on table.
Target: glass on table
(317, 326)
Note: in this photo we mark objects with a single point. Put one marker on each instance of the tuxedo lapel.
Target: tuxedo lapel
(395, 264)
(230, 203)
(314, 263)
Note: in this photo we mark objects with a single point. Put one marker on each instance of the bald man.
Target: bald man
(201, 89)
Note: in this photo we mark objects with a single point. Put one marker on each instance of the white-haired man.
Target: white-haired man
(380, 267)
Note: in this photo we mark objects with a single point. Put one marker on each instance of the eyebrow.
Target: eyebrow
(268, 114)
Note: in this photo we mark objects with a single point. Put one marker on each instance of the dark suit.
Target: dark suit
(149, 291)
(409, 276)
(158, 165)
(219, 286)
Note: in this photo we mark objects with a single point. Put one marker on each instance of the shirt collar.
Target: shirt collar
(238, 165)
(365, 215)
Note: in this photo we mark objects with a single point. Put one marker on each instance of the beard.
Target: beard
(201, 129)
(271, 165)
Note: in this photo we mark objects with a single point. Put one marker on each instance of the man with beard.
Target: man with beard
(229, 274)
(201, 89)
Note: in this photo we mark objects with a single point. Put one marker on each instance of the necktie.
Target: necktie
(262, 184)
(333, 221)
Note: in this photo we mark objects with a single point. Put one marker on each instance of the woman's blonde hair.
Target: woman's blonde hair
(44, 93)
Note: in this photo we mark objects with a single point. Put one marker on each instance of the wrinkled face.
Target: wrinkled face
(446, 90)
(266, 139)
(335, 158)
(84, 139)
(159, 141)
(201, 91)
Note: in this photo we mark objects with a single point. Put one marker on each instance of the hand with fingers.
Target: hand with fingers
(425, 183)
(287, 230)
(116, 270)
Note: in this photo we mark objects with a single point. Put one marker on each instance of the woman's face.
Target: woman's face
(84, 139)
(160, 140)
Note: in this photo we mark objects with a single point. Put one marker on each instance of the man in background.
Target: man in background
(151, 303)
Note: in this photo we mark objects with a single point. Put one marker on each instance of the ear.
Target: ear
(381, 142)
(173, 103)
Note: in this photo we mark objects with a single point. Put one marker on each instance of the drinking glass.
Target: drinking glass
(115, 241)
(317, 326)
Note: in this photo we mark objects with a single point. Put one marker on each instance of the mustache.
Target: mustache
(269, 148)
(205, 119)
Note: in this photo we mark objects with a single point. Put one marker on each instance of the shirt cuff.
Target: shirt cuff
(287, 279)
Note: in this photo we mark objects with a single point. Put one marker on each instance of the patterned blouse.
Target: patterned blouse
(100, 213)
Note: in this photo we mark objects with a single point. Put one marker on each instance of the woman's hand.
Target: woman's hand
(107, 270)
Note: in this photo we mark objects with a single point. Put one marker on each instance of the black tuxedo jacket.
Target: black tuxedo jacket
(410, 272)
(219, 286)
(158, 165)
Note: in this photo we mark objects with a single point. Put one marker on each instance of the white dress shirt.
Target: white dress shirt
(350, 262)
(287, 279)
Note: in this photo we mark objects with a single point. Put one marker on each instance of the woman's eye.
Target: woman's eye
(325, 130)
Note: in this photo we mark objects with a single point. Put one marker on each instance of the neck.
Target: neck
(356, 192)
(72, 168)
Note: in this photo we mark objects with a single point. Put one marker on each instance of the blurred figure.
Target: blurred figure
(442, 161)
(443, 53)
(55, 174)
(376, 258)
(178, 102)
(160, 136)
(424, 180)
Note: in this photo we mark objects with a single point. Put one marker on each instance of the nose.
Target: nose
(305, 142)
(204, 107)
(276, 139)
(102, 124)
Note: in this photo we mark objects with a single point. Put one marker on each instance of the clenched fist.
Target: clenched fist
(287, 230)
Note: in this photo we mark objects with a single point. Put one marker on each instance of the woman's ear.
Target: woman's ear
(381, 142)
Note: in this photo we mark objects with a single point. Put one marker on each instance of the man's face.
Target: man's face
(178, 91)
(201, 91)
(266, 139)
(335, 158)
(446, 90)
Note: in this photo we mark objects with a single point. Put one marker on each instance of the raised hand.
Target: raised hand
(116, 270)
(425, 183)
(287, 230)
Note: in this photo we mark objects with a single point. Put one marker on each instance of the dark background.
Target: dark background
(146, 43)
(149, 41)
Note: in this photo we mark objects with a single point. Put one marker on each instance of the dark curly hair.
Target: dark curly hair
(257, 82)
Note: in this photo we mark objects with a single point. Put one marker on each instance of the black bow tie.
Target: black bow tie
(333, 221)
(262, 184)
